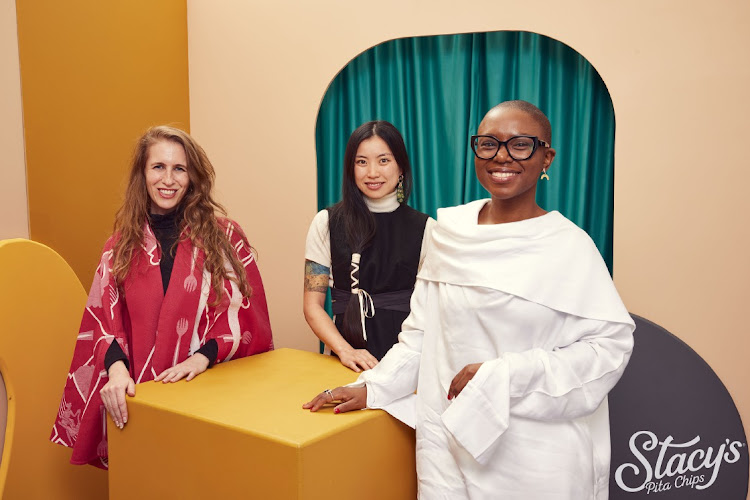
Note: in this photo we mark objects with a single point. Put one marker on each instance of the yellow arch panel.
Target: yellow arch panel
(41, 301)
(94, 76)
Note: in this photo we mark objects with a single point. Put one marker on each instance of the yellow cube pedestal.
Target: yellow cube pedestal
(239, 431)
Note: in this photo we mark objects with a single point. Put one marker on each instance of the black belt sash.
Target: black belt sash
(393, 301)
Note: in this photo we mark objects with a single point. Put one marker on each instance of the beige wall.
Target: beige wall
(14, 219)
(678, 79)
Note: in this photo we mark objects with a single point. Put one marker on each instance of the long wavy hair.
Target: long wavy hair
(351, 213)
(199, 210)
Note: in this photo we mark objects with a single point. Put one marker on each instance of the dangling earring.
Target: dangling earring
(544, 174)
(400, 189)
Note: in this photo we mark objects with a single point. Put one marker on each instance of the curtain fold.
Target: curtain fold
(436, 90)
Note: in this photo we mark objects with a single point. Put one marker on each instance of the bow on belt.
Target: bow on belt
(394, 301)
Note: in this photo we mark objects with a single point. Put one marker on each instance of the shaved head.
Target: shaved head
(530, 110)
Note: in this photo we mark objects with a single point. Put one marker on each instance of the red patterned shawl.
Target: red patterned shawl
(156, 331)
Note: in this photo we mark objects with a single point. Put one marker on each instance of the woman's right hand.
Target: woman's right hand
(352, 398)
(356, 359)
(313, 300)
(113, 393)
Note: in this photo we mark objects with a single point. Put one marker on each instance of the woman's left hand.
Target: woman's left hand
(188, 369)
(462, 378)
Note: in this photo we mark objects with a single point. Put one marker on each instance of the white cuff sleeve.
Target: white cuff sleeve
(561, 384)
(318, 243)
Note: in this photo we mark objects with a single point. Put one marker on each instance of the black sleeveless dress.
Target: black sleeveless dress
(387, 272)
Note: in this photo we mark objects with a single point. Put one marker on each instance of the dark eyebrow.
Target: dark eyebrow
(511, 137)
(381, 154)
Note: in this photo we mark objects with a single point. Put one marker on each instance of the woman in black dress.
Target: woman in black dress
(367, 248)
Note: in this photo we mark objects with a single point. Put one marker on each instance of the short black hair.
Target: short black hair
(532, 111)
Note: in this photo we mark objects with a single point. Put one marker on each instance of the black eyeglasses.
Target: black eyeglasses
(520, 147)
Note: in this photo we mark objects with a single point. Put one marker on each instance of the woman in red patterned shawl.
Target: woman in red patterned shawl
(177, 290)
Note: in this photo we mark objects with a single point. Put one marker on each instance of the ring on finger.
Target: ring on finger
(330, 393)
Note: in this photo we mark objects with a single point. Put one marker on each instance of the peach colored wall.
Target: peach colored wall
(678, 80)
(95, 75)
(14, 218)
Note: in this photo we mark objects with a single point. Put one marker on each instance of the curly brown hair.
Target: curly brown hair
(199, 221)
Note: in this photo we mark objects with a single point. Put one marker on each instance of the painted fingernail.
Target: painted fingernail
(450, 397)
(336, 410)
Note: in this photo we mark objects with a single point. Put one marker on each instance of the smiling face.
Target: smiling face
(512, 182)
(375, 169)
(167, 178)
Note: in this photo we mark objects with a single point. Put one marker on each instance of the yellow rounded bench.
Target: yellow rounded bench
(41, 301)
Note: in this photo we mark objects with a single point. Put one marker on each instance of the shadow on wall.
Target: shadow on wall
(40, 325)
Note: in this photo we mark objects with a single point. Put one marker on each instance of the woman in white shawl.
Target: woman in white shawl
(515, 337)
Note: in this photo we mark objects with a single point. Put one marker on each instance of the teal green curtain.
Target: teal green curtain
(436, 90)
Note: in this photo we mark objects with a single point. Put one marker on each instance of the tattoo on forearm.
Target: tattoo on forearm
(316, 277)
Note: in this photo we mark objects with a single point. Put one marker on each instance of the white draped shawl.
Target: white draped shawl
(547, 260)
(534, 303)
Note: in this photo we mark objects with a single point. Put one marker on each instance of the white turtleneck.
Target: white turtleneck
(384, 205)
(318, 245)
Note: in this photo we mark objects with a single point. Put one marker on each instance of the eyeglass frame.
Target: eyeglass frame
(536, 140)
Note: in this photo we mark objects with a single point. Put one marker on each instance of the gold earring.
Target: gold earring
(400, 189)
(544, 174)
